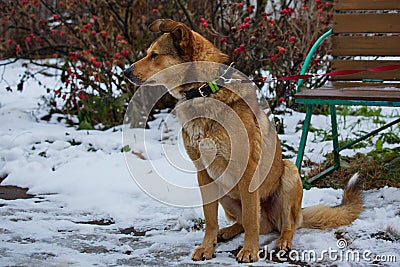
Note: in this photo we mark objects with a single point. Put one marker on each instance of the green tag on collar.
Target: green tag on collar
(214, 87)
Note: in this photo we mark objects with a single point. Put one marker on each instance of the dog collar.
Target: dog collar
(203, 91)
(211, 87)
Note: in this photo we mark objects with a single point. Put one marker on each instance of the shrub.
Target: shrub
(93, 41)
(275, 41)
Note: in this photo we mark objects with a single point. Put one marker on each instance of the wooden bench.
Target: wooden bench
(365, 34)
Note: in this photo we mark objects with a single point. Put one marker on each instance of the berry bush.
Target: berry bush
(270, 40)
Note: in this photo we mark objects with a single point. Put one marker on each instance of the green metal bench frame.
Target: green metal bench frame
(332, 104)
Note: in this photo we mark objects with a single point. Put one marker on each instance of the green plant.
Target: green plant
(390, 137)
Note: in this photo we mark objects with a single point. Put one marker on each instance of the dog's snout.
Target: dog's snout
(130, 76)
(128, 71)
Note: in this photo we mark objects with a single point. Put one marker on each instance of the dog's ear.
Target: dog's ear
(181, 35)
(155, 25)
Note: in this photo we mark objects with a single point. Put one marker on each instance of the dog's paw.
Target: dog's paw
(202, 253)
(247, 255)
(224, 236)
(228, 233)
(283, 244)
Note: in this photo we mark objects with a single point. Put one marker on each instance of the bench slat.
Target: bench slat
(367, 5)
(366, 45)
(389, 75)
(335, 92)
(367, 23)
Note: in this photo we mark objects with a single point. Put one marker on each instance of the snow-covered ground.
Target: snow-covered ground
(88, 210)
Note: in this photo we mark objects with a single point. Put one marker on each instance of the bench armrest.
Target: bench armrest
(309, 56)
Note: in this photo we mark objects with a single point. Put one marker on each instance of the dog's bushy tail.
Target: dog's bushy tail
(323, 217)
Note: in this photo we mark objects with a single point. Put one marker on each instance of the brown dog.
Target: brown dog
(273, 204)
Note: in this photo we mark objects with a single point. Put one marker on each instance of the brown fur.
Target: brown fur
(324, 217)
(276, 203)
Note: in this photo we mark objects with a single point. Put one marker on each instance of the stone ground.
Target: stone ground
(85, 244)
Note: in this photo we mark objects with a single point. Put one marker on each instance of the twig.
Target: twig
(186, 13)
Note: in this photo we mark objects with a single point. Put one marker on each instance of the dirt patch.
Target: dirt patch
(132, 231)
(102, 222)
(383, 236)
(95, 250)
(9, 192)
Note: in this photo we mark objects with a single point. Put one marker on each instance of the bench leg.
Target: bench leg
(336, 149)
(335, 136)
(303, 140)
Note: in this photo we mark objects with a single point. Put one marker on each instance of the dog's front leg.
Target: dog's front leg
(250, 221)
(210, 208)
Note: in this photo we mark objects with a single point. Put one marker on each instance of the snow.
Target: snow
(82, 176)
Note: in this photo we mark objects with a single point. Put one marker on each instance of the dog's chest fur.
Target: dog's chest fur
(207, 145)
(205, 138)
(216, 141)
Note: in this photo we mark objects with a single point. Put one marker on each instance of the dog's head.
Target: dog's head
(178, 44)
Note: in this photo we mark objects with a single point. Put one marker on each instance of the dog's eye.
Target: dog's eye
(153, 55)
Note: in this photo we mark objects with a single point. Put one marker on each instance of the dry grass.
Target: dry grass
(376, 170)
